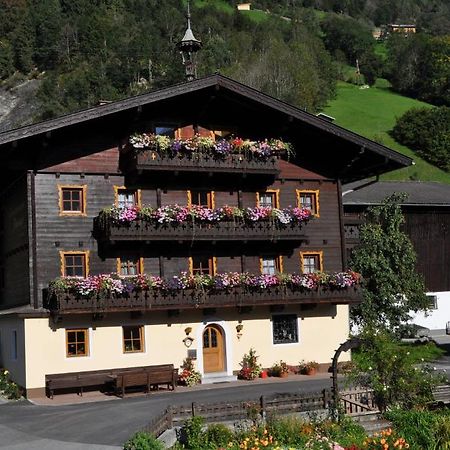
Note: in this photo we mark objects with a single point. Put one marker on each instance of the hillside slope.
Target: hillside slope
(372, 113)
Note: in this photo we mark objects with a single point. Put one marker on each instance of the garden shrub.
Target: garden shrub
(8, 388)
(194, 435)
(143, 441)
(218, 435)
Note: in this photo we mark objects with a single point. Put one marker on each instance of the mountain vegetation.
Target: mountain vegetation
(87, 51)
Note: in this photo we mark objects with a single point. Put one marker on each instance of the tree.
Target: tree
(427, 132)
(386, 260)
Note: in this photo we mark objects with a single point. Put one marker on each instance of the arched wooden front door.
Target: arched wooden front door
(213, 349)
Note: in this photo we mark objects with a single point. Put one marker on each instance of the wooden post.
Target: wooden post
(325, 398)
(262, 404)
(193, 409)
(169, 417)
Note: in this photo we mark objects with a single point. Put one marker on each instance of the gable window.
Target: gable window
(271, 265)
(285, 329)
(311, 262)
(202, 265)
(74, 264)
(269, 198)
(125, 198)
(308, 200)
(77, 342)
(202, 198)
(166, 130)
(72, 200)
(129, 266)
(133, 339)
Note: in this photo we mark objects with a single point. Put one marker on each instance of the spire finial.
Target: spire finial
(188, 46)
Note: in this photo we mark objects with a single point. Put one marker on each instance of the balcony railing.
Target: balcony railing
(68, 303)
(106, 229)
(150, 160)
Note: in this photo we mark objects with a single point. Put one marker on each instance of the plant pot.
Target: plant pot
(312, 371)
(283, 375)
(263, 374)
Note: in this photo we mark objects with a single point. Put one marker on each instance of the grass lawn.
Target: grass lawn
(220, 5)
(372, 113)
(256, 15)
(427, 352)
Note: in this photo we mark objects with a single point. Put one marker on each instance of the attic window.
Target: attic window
(166, 130)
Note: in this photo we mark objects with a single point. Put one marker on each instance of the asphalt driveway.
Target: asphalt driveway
(108, 424)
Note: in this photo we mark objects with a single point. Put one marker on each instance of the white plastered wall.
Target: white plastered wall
(320, 329)
(435, 319)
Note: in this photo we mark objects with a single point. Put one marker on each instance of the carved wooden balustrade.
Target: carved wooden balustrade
(149, 160)
(109, 230)
(67, 303)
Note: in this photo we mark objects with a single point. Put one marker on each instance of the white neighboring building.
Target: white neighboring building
(438, 317)
(427, 223)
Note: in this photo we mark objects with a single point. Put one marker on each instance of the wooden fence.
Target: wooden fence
(239, 410)
(357, 400)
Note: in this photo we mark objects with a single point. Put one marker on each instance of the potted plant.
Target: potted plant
(308, 367)
(251, 369)
(279, 369)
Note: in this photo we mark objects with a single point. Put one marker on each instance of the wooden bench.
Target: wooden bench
(79, 380)
(152, 376)
(441, 395)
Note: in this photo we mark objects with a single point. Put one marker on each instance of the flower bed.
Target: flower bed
(112, 284)
(176, 214)
(219, 149)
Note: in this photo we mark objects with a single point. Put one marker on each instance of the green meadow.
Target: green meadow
(372, 113)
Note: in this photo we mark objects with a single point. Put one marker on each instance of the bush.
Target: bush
(194, 435)
(8, 388)
(143, 441)
(427, 132)
(218, 435)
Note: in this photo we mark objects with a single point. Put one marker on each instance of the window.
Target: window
(129, 266)
(202, 198)
(271, 265)
(166, 130)
(126, 197)
(133, 339)
(285, 329)
(268, 198)
(202, 265)
(432, 301)
(14, 345)
(77, 343)
(309, 200)
(72, 200)
(74, 264)
(311, 262)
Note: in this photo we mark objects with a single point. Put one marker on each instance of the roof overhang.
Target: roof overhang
(215, 102)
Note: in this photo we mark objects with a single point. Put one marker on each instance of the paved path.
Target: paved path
(106, 425)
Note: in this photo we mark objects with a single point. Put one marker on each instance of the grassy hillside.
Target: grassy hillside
(372, 113)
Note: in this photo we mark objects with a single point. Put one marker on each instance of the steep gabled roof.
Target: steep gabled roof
(322, 147)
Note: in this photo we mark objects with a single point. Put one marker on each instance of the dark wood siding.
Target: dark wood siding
(429, 230)
(58, 233)
(14, 246)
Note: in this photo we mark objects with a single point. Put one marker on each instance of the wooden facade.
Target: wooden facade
(59, 176)
(427, 223)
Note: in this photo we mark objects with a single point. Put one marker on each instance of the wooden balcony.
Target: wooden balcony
(66, 303)
(132, 163)
(108, 230)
